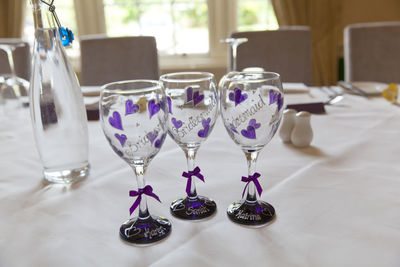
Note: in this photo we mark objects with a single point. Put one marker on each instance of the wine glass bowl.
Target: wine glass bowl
(192, 113)
(133, 116)
(251, 105)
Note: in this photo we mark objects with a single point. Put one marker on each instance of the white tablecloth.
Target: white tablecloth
(337, 202)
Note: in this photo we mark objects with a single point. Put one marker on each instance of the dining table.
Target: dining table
(337, 201)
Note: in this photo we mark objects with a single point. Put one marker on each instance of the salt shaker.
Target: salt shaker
(289, 119)
(302, 133)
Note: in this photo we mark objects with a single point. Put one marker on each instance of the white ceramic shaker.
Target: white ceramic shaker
(302, 133)
(288, 122)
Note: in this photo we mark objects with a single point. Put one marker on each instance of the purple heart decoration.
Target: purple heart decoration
(273, 97)
(197, 98)
(233, 129)
(237, 96)
(254, 124)
(153, 107)
(130, 108)
(189, 94)
(169, 104)
(115, 121)
(203, 133)
(152, 136)
(206, 122)
(176, 123)
(121, 138)
(280, 101)
(158, 143)
(249, 133)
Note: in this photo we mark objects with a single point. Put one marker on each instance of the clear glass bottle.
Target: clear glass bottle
(57, 108)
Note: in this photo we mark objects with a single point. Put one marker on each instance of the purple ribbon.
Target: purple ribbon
(195, 172)
(252, 178)
(147, 190)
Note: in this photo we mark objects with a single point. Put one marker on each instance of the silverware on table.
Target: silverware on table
(351, 88)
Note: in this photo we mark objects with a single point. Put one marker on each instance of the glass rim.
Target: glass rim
(274, 76)
(198, 76)
(152, 84)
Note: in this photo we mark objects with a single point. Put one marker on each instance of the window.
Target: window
(184, 27)
(65, 12)
(256, 15)
(180, 26)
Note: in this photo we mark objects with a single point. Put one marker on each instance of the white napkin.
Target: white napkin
(294, 88)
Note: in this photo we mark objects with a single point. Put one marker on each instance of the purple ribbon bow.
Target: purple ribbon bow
(195, 172)
(252, 178)
(147, 190)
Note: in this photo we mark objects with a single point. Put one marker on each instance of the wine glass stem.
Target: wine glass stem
(234, 57)
(139, 172)
(251, 157)
(11, 62)
(190, 157)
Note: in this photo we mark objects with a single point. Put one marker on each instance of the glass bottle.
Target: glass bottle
(57, 109)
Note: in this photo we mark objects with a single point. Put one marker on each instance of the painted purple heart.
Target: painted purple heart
(273, 97)
(152, 136)
(153, 107)
(280, 101)
(232, 96)
(206, 122)
(176, 123)
(115, 121)
(121, 138)
(233, 128)
(169, 104)
(254, 124)
(158, 143)
(189, 94)
(204, 132)
(237, 96)
(249, 133)
(197, 98)
(130, 108)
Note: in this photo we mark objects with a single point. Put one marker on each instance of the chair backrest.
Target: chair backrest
(286, 51)
(372, 52)
(22, 59)
(106, 59)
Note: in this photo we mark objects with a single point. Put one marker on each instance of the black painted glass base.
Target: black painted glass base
(247, 213)
(145, 231)
(193, 209)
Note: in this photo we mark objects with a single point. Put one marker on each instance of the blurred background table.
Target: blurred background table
(337, 202)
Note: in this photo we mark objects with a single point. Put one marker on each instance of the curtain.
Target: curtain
(12, 14)
(324, 19)
(90, 17)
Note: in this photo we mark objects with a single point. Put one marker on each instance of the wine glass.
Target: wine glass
(12, 88)
(233, 43)
(251, 109)
(133, 119)
(192, 112)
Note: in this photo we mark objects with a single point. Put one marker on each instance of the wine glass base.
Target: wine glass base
(145, 231)
(193, 209)
(253, 214)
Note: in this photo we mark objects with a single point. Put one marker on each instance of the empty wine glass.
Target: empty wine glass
(133, 119)
(232, 58)
(12, 88)
(251, 109)
(192, 112)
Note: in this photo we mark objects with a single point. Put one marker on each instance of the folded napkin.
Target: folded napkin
(294, 88)
(91, 90)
